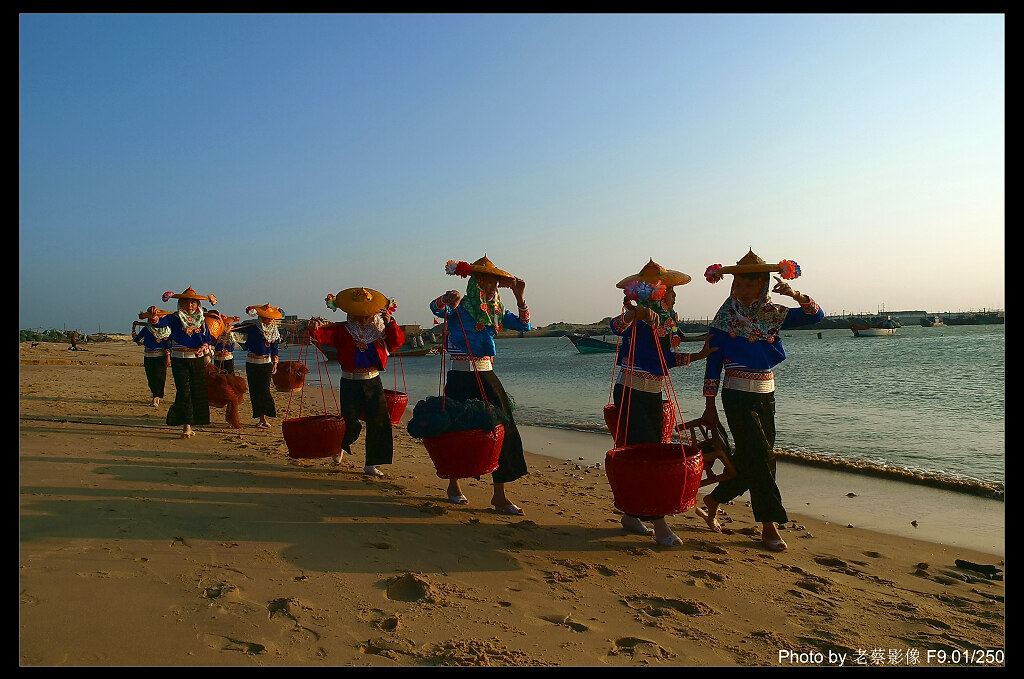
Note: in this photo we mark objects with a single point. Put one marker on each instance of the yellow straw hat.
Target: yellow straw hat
(189, 293)
(217, 323)
(153, 310)
(654, 273)
(271, 313)
(482, 265)
(358, 301)
(751, 263)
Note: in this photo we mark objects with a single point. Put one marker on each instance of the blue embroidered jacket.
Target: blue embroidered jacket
(149, 342)
(180, 340)
(481, 342)
(648, 347)
(760, 355)
(256, 344)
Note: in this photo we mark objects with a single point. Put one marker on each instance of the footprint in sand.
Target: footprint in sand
(219, 590)
(565, 621)
(640, 648)
(389, 624)
(247, 647)
(705, 546)
(660, 606)
(816, 584)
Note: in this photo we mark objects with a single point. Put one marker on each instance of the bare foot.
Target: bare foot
(771, 538)
(156, 402)
(710, 514)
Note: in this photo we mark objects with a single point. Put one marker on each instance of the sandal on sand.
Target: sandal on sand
(337, 458)
(458, 499)
(633, 525)
(711, 521)
(509, 509)
(774, 544)
(669, 540)
(373, 471)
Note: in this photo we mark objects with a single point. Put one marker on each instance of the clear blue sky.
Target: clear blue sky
(277, 158)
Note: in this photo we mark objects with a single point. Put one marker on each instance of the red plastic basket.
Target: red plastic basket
(654, 479)
(290, 375)
(464, 454)
(314, 436)
(668, 422)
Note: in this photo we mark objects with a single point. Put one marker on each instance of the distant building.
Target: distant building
(908, 317)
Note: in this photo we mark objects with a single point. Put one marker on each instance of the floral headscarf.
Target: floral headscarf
(484, 312)
(759, 321)
(159, 333)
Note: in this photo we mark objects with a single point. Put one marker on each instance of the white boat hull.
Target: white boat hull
(874, 332)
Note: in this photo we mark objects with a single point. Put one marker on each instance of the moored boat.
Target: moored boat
(589, 345)
(933, 321)
(874, 327)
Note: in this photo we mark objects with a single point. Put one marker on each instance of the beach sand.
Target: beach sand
(139, 548)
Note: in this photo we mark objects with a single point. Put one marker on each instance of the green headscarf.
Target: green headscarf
(484, 312)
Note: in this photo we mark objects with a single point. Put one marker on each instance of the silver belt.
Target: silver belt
(652, 385)
(757, 383)
(360, 376)
(257, 359)
(191, 353)
(481, 364)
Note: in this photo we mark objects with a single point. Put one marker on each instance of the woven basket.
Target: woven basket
(314, 436)
(465, 454)
(397, 401)
(290, 375)
(654, 479)
(668, 421)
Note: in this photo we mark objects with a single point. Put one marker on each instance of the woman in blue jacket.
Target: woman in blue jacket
(649, 331)
(156, 345)
(476, 318)
(746, 332)
(191, 341)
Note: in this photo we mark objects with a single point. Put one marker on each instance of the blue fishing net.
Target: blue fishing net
(429, 419)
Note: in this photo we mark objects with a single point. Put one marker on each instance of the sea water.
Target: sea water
(927, 400)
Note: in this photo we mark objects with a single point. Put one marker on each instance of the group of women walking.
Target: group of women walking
(743, 342)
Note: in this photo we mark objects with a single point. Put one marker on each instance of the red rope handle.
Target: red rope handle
(671, 389)
(476, 373)
(628, 396)
(615, 362)
(444, 354)
(321, 369)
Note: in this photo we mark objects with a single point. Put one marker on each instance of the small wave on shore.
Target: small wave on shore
(960, 484)
(944, 481)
